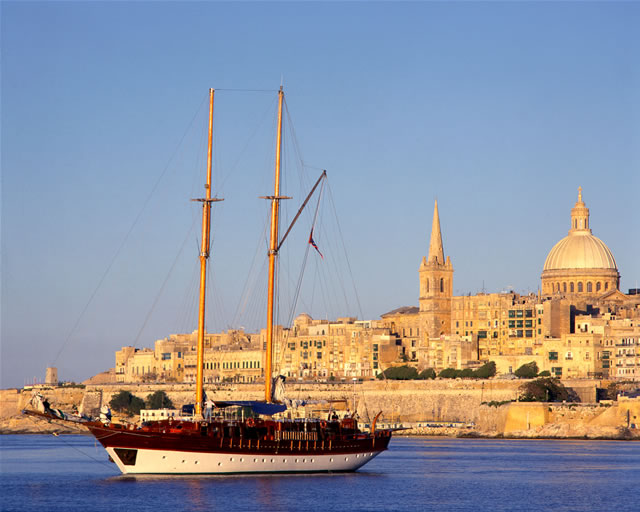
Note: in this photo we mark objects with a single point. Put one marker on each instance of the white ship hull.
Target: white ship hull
(186, 463)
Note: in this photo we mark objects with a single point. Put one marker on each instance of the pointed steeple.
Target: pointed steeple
(436, 251)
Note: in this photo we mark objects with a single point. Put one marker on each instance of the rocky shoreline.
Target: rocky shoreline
(451, 409)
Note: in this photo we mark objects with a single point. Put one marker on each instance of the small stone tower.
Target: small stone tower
(436, 284)
(51, 377)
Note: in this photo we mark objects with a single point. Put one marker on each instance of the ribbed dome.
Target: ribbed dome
(580, 250)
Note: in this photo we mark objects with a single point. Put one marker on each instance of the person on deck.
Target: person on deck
(208, 407)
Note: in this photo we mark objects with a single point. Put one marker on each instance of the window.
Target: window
(589, 287)
(598, 286)
(564, 287)
(512, 324)
(606, 286)
(441, 284)
(580, 287)
(519, 323)
(553, 356)
(571, 287)
(528, 333)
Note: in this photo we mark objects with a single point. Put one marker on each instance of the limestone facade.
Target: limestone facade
(510, 329)
(311, 349)
(588, 329)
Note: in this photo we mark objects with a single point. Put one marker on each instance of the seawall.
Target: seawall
(477, 402)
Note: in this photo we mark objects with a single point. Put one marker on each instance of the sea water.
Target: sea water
(69, 473)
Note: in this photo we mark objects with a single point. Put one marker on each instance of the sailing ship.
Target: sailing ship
(260, 441)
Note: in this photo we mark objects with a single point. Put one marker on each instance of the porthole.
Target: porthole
(183, 461)
(272, 461)
(331, 459)
(164, 456)
(304, 460)
(255, 460)
(230, 459)
(241, 459)
(195, 462)
(346, 459)
(284, 461)
(219, 463)
(312, 461)
(264, 460)
(296, 461)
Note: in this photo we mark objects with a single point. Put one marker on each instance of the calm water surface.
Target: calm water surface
(70, 473)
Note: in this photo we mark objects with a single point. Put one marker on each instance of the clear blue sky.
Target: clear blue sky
(500, 110)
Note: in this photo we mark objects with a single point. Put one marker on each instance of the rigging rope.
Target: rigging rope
(128, 234)
(353, 282)
(164, 283)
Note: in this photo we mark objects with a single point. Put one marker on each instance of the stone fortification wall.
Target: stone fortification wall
(400, 401)
(468, 401)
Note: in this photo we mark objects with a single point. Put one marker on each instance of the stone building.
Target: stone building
(580, 280)
(310, 350)
(436, 285)
(579, 325)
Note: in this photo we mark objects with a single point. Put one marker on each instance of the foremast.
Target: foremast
(204, 256)
(273, 253)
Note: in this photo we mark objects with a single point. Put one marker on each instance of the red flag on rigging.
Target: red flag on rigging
(313, 244)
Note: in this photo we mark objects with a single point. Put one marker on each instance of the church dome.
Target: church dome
(580, 263)
(302, 319)
(580, 250)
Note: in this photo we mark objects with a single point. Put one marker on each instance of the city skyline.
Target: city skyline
(501, 125)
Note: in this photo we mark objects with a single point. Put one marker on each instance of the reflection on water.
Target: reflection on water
(424, 474)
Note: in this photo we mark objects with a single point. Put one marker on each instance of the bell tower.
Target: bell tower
(436, 284)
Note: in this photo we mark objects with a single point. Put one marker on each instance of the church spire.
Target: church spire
(436, 251)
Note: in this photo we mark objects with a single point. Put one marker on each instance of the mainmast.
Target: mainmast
(204, 256)
(273, 252)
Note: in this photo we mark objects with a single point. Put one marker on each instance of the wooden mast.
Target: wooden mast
(273, 252)
(204, 256)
